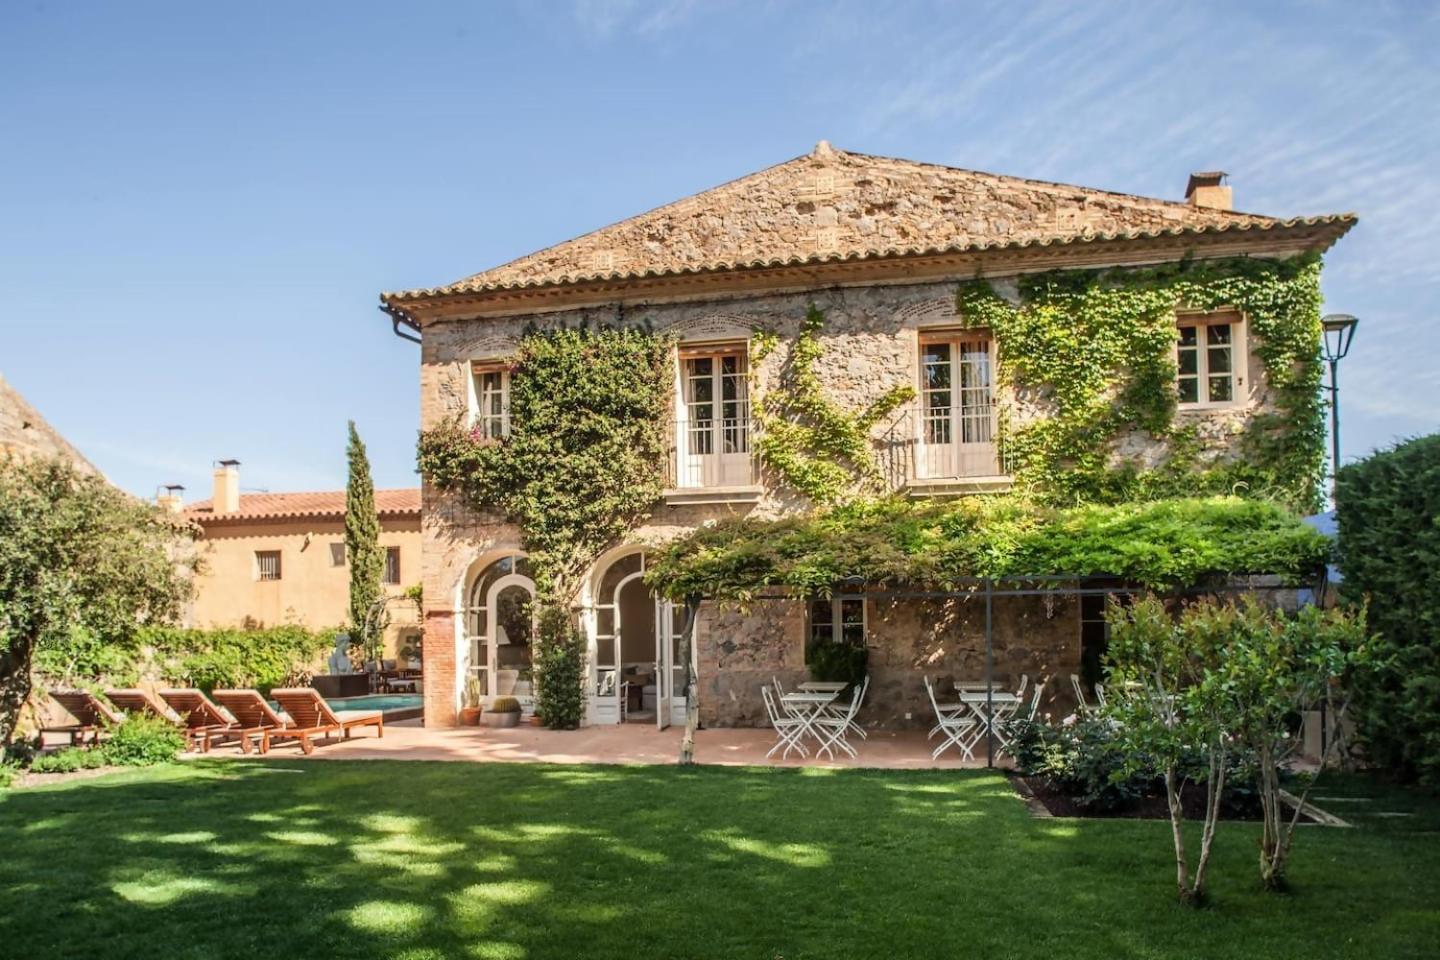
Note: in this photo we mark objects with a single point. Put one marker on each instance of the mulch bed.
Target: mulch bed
(1151, 807)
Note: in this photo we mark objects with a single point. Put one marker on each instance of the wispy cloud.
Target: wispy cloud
(608, 18)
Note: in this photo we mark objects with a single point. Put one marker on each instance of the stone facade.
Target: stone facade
(871, 342)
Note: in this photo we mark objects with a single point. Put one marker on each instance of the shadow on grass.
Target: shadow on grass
(411, 859)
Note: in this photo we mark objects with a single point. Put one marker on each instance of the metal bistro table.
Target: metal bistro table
(1002, 704)
(809, 707)
(822, 686)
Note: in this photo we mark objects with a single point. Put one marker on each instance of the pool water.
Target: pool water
(386, 702)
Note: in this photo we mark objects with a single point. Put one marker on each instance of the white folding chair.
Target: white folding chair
(788, 730)
(1034, 703)
(835, 710)
(1080, 702)
(1100, 694)
(1020, 690)
(831, 728)
(953, 723)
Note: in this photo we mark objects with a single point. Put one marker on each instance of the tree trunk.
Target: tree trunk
(1188, 894)
(15, 685)
(692, 701)
(1214, 789)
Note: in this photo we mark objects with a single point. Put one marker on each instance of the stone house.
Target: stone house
(879, 245)
(275, 558)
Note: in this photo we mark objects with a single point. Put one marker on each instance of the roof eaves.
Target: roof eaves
(471, 287)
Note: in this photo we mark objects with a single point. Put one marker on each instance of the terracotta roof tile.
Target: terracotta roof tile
(835, 206)
(326, 503)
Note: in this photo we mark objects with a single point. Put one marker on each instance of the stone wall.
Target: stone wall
(908, 640)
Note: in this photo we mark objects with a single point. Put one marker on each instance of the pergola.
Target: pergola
(965, 589)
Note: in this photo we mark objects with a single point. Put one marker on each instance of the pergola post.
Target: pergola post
(989, 670)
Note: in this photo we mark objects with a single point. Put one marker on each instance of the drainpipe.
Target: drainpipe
(398, 317)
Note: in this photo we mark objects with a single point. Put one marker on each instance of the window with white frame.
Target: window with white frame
(490, 384)
(841, 619)
(957, 405)
(392, 565)
(267, 564)
(1209, 355)
(713, 435)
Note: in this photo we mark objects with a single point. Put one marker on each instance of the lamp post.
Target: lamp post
(1339, 331)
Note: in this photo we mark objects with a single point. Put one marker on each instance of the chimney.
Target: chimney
(170, 498)
(1208, 189)
(227, 487)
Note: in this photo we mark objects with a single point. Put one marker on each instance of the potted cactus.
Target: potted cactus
(503, 712)
(470, 712)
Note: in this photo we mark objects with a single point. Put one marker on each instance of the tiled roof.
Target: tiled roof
(326, 503)
(835, 206)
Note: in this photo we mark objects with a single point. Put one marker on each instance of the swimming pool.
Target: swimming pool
(388, 703)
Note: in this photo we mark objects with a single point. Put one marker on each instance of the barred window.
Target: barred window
(267, 564)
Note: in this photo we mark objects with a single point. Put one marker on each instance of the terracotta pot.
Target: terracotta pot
(469, 716)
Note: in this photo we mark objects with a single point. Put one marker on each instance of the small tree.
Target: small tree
(1275, 667)
(79, 559)
(1168, 707)
(368, 616)
(559, 670)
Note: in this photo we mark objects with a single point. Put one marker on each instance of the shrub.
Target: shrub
(142, 741)
(234, 657)
(559, 670)
(505, 705)
(8, 773)
(1083, 760)
(1388, 510)
(837, 662)
(69, 760)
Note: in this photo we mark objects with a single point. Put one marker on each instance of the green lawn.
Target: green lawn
(409, 860)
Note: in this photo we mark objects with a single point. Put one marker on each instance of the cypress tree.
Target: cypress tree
(368, 617)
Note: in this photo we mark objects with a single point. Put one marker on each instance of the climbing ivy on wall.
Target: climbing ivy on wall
(583, 462)
(1097, 348)
(810, 442)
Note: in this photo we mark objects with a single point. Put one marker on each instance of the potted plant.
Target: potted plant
(503, 712)
(470, 712)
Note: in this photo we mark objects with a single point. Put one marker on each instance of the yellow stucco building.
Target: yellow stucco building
(272, 558)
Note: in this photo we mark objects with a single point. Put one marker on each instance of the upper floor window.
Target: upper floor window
(392, 565)
(1209, 351)
(713, 418)
(490, 384)
(957, 405)
(267, 564)
(337, 554)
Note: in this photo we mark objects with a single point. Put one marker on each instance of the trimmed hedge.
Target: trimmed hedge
(1388, 510)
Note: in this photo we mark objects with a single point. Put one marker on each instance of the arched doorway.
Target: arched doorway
(500, 625)
(637, 673)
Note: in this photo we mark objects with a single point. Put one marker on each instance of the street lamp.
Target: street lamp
(1339, 331)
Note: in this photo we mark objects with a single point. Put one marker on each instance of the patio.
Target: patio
(627, 744)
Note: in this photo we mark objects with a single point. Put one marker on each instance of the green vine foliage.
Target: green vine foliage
(898, 541)
(1099, 346)
(582, 466)
(810, 442)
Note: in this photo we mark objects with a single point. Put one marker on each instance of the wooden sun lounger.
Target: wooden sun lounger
(204, 721)
(92, 715)
(136, 702)
(311, 716)
(253, 715)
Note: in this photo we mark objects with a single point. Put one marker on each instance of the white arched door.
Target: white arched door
(635, 666)
(500, 628)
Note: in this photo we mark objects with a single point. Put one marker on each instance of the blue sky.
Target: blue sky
(200, 201)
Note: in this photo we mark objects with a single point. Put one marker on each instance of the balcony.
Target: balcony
(715, 466)
(947, 452)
